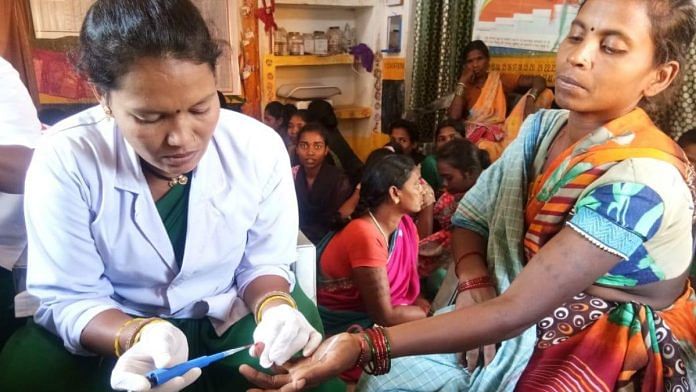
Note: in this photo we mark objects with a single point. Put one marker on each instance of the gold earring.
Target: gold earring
(107, 111)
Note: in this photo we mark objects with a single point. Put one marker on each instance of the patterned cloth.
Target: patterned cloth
(434, 251)
(500, 219)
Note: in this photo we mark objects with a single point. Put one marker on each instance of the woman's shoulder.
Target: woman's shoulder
(243, 143)
(90, 132)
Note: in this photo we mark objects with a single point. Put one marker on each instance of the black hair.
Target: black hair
(303, 114)
(687, 138)
(322, 112)
(288, 110)
(116, 33)
(275, 109)
(464, 156)
(316, 128)
(376, 155)
(456, 124)
(379, 175)
(409, 126)
(476, 45)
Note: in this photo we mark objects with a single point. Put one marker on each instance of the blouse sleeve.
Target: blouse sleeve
(367, 249)
(640, 211)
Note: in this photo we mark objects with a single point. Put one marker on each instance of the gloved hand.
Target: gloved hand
(284, 331)
(161, 345)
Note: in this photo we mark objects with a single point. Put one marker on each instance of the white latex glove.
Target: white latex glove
(161, 345)
(284, 331)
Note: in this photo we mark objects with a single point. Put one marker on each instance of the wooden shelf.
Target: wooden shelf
(290, 61)
(46, 99)
(328, 3)
(351, 112)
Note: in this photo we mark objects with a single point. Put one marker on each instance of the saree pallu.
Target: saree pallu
(588, 343)
(341, 303)
(513, 124)
(486, 117)
(488, 127)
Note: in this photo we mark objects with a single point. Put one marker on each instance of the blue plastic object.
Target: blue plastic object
(161, 376)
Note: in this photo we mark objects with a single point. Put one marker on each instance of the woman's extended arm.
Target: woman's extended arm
(565, 266)
(373, 285)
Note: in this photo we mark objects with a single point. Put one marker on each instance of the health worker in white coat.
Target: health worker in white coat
(160, 227)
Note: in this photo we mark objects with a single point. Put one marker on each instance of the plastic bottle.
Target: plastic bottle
(348, 37)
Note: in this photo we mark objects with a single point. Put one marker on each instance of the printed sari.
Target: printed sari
(488, 126)
(434, 251)
(587, 343)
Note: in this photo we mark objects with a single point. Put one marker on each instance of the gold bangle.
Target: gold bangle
(117, 340)
(459, 89)
(271, 296)
(139, 329)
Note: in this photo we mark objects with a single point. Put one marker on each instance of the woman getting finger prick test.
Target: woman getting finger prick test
(160, 237)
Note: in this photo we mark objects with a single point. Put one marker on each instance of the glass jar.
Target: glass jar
(280, 42)
(335, 37)
(296, 43)
(308, 43)
(321, 43)
(348, 37)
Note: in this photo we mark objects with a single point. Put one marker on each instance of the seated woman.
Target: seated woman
(581, 228)
(368, 269)
(460, 163)
(276, 115)
(447, 130)
(405, 133)
(295, 124)
(480, 100)
(167, 237)
(321, 188)
(343, 156)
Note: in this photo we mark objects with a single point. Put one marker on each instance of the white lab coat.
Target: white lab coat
(19, 126)
(96, 240)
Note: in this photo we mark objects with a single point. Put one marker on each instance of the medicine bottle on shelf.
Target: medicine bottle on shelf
(280, 42)
(335, 36)
(296, 43)
(321, 43)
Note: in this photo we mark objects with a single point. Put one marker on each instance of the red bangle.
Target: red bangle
(476, 283)
(467, 254)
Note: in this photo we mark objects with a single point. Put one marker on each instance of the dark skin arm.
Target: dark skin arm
(99, 334)
(537, 84)
(14, 162)
(565, 266)
(459, 108)
(373, 285)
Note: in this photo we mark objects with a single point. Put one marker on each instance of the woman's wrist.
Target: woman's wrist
(270, 300)
(129, 333)
(460, 89)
